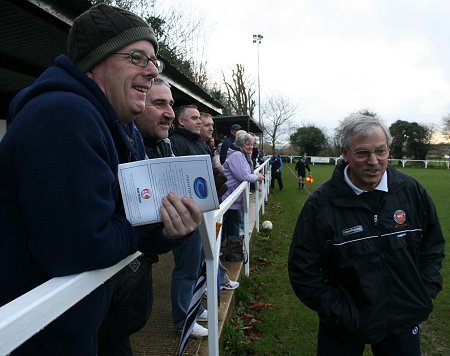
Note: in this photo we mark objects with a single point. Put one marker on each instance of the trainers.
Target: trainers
(203, 316)
(230, 285)
(199, 331)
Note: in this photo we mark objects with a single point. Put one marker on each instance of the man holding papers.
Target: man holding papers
(61, 211)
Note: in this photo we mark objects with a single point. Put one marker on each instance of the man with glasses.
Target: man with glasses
(367, 250)
(59, 194)
(131, 309)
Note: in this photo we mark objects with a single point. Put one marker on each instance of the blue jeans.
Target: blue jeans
(231, 223)
(188, 259)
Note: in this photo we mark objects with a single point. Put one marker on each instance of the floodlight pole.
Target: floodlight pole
(257, 39)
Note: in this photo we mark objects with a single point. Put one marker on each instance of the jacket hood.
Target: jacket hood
(232, 149)
(64, 76)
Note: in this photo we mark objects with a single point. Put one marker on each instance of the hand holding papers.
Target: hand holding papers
(144, 184)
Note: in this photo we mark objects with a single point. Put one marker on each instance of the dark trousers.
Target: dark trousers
(276, 176)
(403, 344)
(118, 347)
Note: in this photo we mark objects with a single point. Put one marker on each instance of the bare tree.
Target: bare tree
(181, 32)
(446, 128)
(139, 7)
(239, 92)
(277, 113)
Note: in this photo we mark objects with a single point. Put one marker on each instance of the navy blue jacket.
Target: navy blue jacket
(60, 205)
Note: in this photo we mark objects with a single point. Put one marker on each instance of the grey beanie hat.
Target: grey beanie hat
(102, 30)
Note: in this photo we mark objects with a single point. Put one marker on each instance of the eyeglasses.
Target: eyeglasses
(364, 154)
(141, 60)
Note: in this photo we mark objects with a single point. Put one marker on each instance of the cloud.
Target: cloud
(334, 57)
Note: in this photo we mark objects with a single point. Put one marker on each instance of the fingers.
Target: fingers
(180, 216)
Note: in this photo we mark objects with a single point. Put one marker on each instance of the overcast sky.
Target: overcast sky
(335, 57)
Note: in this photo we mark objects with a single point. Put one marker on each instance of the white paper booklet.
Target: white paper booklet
(144, 183)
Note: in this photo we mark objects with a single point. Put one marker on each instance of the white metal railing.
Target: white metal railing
(211, 246)
(403, 161)
(26, 315)
(31, 312)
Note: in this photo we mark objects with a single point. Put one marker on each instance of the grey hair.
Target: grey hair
(243, 138)
(362, 124)
(161, 81)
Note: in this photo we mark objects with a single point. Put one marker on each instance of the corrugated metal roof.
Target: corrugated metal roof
(33, 33)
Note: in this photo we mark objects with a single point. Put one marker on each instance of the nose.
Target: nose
(170, 114)
(372, 158)
(150, 71)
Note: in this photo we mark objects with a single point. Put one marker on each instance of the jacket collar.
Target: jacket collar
(340, 192)
(186, 133)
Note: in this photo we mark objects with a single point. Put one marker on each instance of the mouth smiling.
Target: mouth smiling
(140, 89)
(372, 171)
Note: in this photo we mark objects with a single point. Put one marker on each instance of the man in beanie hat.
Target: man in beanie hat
(59, 194)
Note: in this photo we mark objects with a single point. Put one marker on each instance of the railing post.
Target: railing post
(246, 201)
(207, 230)
(257, 198)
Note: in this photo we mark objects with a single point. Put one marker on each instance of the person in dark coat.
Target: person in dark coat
(367, 250)
(229, 140)
(60, 200)
(186, 141)
(301, 167)
(276, 167)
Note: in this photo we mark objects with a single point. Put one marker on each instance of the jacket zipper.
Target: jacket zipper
(382, 251)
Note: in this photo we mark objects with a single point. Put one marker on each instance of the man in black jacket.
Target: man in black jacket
(186, 141)
(367, 250)
(229, 140)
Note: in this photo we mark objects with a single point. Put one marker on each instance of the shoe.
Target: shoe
(230, 285)
(203, 316)
(199, 331)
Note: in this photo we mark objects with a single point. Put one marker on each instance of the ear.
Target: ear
(344, 152)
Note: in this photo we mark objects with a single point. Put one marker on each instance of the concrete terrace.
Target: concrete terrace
(159, 337)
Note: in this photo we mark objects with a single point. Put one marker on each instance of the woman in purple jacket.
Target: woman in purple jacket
(237, 170)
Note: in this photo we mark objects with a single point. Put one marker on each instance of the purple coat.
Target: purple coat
(237, 170)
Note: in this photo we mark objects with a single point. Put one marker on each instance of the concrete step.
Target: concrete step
(159, 337)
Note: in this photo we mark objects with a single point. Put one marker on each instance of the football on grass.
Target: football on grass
(266, 225)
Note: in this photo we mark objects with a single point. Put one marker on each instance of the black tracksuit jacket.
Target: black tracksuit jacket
(369, 273)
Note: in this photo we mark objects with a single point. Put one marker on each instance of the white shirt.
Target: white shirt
(383, 185)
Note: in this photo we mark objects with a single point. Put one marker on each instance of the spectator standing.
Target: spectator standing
(59, 193)
(228, 141)
(367, 250)
(156, 121)
(128, 315)
(301, 167)
(255, 154)
(275, 169)
(186, 141)
(237, 170)
(206, 133)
